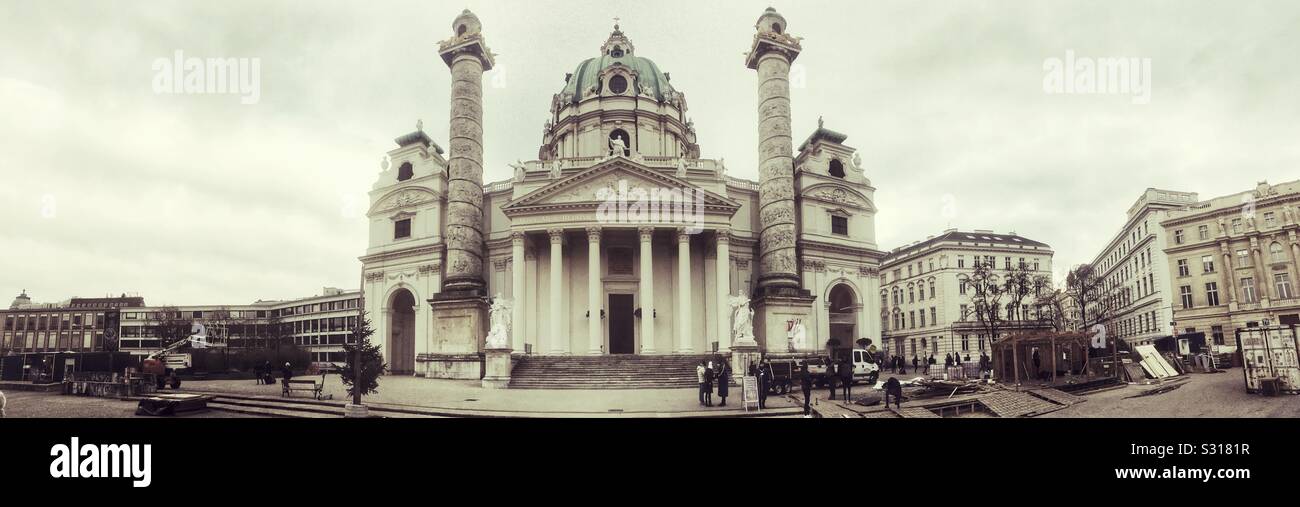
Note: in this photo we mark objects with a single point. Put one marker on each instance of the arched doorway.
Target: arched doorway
(400, 346)
(843, 316)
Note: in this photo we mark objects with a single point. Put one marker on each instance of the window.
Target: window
(618, 84)
(1203, 232)
(934, 316)
(931, 289)
(1236, 226)
(1243, 258)
(405, 172)
(1283, 286)
(1270, 219)
(961, 261)
(961, 287)
(836, 168)
(1178, 237)
(965, 343)
(840, 225)
(1212, 294)
(1248, 290)
(1007, 262)
(1207, 263)
(1217, 332)
(1275, 250)
(965, 310)
(922, 318)
(1185, 292)
(402, 228)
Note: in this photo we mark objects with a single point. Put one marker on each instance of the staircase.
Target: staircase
(605, 372)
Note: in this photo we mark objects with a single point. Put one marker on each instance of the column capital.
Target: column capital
(518, 237)
(466, 39)
(557, 236)
(683, 236)
(646, 233)
(593, 234)
(723, 235)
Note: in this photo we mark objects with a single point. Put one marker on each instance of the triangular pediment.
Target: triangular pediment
(618, 176)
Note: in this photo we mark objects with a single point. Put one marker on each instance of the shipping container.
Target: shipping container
(1270, 358)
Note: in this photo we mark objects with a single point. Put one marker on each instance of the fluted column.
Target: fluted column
(594, 341)
(723, 267)
(517, 324)
(772, 52)
(647, 291)
(684, 342)
(1295, 257)
(468, 57)
(559, 342)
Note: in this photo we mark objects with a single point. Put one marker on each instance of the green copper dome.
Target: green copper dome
(617, 51)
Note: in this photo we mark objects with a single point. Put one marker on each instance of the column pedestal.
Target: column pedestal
(774, 307)
(460, 324)
(496, 368)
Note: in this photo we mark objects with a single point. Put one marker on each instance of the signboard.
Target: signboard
(749, 391)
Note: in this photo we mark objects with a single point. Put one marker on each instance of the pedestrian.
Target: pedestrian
(899, 366)
(928, 363)
(764, 378)
(915, 362)
(708, 384)
(831, 376)
(805, 383)
(895, 389)
(699, 375)
(846, 377)
(287, 372)
(984, 365)
(724, 381)
(947, 361)
(1037, 361)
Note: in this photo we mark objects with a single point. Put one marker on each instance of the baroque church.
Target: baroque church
(792, 256)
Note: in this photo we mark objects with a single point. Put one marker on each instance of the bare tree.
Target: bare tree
(169, 326)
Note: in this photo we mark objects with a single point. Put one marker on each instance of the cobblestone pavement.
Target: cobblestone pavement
(470, 395)
(24, 404)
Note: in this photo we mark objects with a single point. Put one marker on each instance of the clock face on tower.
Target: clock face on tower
(618, 84)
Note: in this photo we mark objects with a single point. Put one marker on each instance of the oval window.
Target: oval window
(618, 84)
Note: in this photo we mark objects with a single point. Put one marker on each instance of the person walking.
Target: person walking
(287, 372)
(805, 384)
(915, 363)
(831, 376)
(984, 365)
(947, 361)
(764, 379)
(895, 389)
(724, 381)
(708, 384)
(699, 375)
(846, 377)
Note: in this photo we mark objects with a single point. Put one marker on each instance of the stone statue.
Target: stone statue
(742, 321)
(681, 167)
(799, 337)
(555, 170)
(1288, 214)
(419, 125)
(857, 161)
(499, 335)
(1223, 226)
(616, 147)
(819, 122)
(520, 170)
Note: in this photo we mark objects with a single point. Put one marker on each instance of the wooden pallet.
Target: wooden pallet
(916, 413)
(1016, 404)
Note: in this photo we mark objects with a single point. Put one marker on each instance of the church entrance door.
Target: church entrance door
(622, 339)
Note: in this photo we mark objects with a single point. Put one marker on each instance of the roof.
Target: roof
(823, 133)
(977, 236)
(617, 51)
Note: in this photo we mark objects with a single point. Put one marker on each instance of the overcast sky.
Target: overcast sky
(109, 187)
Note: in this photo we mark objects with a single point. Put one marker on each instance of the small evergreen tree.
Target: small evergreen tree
(372, 362)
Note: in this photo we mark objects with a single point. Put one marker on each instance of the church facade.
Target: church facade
(618, 238)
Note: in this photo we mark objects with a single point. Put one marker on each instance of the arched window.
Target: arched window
(837, 168)
(776, 27)
(627, 140)
(460, 30)
(617, 52)
(405, 172)
(1279, 255)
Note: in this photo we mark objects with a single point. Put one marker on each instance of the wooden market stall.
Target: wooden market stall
(1041, 357)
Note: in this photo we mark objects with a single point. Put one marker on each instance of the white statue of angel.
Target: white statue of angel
(742, 320)
(617, 147)
(500, 314)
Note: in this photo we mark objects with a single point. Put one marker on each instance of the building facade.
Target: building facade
(1135, 270)
(926, 305)
(1233, 261)
(78, 324)
(619, 238)
(318, 324)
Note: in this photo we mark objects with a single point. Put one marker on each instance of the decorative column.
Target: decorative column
(1264, 286)
(1295, 255)
(559, 342)
(1228, 273)
(517, 324)
(647, 291)
(771, 55)
(594, 340)
(684, 342)
(723, 267)
(468, 57)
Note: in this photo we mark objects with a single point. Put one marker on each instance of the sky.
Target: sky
(109, 185)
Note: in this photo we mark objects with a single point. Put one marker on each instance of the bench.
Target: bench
(314, 386)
